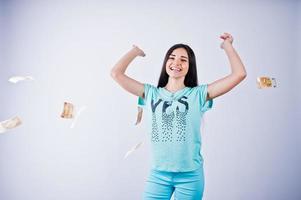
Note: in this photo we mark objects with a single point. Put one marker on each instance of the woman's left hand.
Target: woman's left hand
(228, 40)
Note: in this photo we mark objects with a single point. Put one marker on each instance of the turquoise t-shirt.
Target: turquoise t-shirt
(174, 126)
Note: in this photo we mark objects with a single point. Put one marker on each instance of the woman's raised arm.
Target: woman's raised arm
(238, 72)
(118, 72)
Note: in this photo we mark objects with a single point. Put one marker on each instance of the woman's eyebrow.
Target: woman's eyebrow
(181, 56)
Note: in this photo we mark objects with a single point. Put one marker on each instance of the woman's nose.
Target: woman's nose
(177, 62)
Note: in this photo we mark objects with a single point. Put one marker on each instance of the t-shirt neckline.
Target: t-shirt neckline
(172, 95)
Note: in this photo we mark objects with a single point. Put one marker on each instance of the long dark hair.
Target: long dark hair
(191, 78)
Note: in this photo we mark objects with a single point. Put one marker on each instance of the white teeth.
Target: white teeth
(177, 69)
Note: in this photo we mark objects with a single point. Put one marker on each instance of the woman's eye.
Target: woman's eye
(172, 58)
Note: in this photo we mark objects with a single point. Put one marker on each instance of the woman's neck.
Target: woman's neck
(174, 85)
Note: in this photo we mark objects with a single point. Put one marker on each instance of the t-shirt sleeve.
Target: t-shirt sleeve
(147, 95)
(204, 105)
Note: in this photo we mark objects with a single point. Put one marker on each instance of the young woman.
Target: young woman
(174, 109)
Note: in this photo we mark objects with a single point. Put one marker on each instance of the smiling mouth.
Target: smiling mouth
(175, 69)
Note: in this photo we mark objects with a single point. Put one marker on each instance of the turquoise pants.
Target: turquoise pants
(185, 185)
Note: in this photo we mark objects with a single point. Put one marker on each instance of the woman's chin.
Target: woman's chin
(176, 76)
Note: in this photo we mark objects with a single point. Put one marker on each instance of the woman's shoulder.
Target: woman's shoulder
(200, 86)
(150, 86)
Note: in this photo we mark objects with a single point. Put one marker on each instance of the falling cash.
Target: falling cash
(16, 79)
(68, 110)
(139, 115)
(77, 114)
(266, 82)
(9, 124)
(133, 149)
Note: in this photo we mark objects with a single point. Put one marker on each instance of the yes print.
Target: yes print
(170, 120)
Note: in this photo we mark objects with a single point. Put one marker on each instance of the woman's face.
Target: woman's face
(177, 64)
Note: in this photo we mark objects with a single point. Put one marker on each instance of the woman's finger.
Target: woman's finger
(224, 37)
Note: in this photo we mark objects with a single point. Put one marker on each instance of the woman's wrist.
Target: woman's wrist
(227, 46)
(137, 51)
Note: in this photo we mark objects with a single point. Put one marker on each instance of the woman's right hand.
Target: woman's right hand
(138, 51)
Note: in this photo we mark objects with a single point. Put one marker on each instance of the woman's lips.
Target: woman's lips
(175, 69)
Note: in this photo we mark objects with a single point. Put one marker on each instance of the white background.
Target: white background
(251, 139)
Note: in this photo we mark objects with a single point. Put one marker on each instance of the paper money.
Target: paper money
(9, 124)
(68, 110)
(139, 115)
(266, 82)
(133, 149)
(16, 79)
(77, 114)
